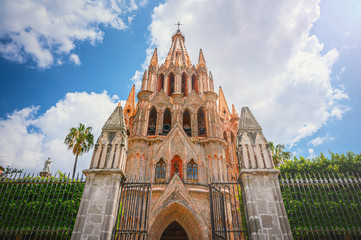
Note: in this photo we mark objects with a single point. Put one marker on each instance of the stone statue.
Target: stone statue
(176, 166)
(47, 165)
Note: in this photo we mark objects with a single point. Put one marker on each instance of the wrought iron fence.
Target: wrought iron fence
(323, 206)
(227, 211)
(133, 212)
(33, 207)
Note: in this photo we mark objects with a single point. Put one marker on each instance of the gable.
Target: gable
(177, 143)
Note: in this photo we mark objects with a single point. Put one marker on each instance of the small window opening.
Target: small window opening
(192, 171)
(202, 131)
(184, 85)
(152, 121)
(167, 121)
(171, 84)
(160, 171)
(187, 123)
(194, 83)
(160, 83)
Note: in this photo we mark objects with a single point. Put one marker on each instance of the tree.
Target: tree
(278, 155)
(336, 163)
(79, 140)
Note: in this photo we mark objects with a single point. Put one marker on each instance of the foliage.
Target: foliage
(9, 170)
(79, 140)
(37, 207)
(318, 207)
(337, 163)
(278, 155)
(323, 210)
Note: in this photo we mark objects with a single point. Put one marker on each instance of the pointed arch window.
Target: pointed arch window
(160, 171)
(187, 123)
(194, 83)
(171, 84)
(192, 171)
(201, 117)
(167, 121)
(184, 84)
(152, 123)
(160, 84)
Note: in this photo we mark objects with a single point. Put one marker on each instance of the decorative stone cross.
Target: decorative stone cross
(178, 24)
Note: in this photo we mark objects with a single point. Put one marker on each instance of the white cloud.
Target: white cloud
(44, 31)
(27, 139)
(320, 140)
(75, 59)
(312, 153)
(263, 55)
(338, 75)
(137, 79)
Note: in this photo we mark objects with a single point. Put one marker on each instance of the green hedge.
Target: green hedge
(39, 207)
(323, 210)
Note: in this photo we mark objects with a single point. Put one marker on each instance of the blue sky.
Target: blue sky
(295, 64)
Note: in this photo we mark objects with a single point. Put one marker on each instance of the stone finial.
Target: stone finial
(154, 60)
(116, 121)
(129, 108)
(234, 113)
(222, 105)
(201, 60)
(248, 121)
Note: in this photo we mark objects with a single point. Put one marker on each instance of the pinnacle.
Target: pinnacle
(154, 60)
(201, 60)
(248, 121)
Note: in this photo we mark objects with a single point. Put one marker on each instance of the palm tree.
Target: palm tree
(80, 140)
(278, 155)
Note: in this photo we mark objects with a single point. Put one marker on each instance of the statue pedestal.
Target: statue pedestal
(45, 174)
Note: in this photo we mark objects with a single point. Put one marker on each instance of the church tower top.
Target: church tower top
(178, 54)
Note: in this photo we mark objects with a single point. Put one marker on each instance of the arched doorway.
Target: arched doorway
(174, 231)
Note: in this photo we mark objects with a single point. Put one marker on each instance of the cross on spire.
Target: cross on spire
(178, 24)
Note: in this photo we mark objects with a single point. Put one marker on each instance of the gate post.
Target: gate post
(100, 200)
(265, 212)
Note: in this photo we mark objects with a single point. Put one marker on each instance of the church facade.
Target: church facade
(180, 137)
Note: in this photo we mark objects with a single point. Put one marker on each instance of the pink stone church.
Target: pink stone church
(180, 136)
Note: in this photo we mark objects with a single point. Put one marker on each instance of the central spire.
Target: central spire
(178, 54)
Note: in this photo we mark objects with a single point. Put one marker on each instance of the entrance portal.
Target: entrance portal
(174, 231)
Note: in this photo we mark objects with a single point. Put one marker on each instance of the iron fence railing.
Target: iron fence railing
(133, 211)
(227, 211)
(323, 206)
(33, 207)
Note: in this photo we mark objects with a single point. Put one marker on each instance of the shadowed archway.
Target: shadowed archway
(194, 227)
(174, 231)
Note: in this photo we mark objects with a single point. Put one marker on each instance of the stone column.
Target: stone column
(266, 216)
(99, 204)
(100, 200)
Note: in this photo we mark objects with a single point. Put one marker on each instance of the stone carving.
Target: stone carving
(47, 165)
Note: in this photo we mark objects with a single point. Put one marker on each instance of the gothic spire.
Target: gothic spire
(154, 60)
(222, 105)
(178, 51)
(201, 60)
(234, 113)
(129, 108)
(116, 121)
(248, 121)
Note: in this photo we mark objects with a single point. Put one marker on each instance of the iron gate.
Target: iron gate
(227, 212)
(134, 204)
